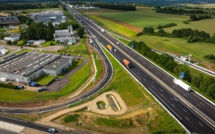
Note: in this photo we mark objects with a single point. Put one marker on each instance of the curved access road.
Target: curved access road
(193, 112)
(98, 87)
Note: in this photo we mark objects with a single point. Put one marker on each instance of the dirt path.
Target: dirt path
(92, 106)
(132, 27)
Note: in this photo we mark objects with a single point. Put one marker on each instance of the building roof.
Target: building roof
(54, 16)
(27, 63)
(57, 63)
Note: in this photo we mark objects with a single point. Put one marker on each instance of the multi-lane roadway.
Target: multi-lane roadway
(194, 112)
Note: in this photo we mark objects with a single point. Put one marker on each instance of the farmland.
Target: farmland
(173, 45)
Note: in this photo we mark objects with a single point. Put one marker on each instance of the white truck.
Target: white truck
(182, 85)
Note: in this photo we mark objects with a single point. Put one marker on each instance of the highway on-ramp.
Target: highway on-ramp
(192, 111)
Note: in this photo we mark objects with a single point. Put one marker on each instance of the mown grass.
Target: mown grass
(75, 63)
(77, 80)
(98, 65)
(48, 43)
(16, 96)
(44, 79)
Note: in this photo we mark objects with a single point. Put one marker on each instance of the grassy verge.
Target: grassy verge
(98, 65)
(77, 80)
(44, 79)
(75, 63)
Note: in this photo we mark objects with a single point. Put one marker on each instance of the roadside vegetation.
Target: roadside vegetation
(98, 65)
(156, 120)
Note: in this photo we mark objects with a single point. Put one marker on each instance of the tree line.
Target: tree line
(19, 6)
(123, 7)
(210, 57)
(185, 33)
(204, 83)
(171, 10)
(37, 31)
(199, 17)
(166, 25)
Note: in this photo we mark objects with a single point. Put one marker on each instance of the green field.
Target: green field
(79, 48)
(203, 25)
(180, 47)
(44, 79)
(144, 17)
(173, 45)
(114, 27)
(98, 65)
(48, 43)
(200, 5)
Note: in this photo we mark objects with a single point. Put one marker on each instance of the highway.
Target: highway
(25, 123)
(159, 84)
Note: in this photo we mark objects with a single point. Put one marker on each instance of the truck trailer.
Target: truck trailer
(126, 63)
(182, 85)
(110, 48)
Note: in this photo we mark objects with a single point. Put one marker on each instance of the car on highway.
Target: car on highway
(52, 130)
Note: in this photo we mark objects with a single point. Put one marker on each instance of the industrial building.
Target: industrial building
(65, 35)
(31, 65)
(9, 20)
(54, 16)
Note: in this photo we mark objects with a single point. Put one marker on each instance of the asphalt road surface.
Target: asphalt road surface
(184, 114)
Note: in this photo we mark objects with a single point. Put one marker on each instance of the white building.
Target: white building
(3, 50)
(39, 42)
(66, 35)
(12, 38)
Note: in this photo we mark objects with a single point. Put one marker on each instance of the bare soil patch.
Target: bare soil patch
(132, 27)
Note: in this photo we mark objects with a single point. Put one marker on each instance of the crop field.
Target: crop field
(144, 16)
(207, 25)
(200, 5)
(172, 45)
(180, 47)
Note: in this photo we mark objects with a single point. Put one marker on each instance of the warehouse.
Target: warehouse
(31, 65)
(54, 16)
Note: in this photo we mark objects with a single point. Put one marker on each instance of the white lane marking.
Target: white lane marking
(187, 118)
(185, 110)
(201, 124)
(173, 105)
